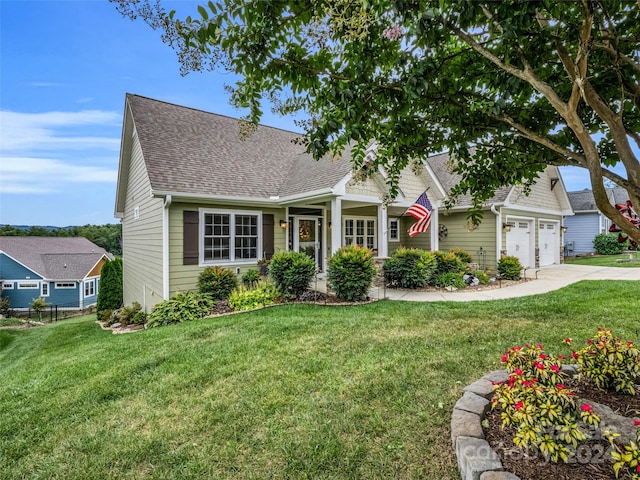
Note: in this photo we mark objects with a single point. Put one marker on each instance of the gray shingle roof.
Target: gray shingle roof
(439, 165)
(54, 258)
(192, 151)
(583, 200)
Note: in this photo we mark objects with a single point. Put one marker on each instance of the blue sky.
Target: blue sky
(65, 67)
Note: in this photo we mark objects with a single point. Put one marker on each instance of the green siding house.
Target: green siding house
(193, 191)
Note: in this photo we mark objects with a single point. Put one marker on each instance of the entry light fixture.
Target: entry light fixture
(283, 224)
(564, 229)
(506, 227)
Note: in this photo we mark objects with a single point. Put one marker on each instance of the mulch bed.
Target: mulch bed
(592, 460)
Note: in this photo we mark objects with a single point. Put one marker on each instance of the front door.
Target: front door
(306, 237)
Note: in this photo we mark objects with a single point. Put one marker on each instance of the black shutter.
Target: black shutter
(190, 234)
(267, 235)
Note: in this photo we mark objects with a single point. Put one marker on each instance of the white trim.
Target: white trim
(20, 285)
(336, 224)
(44, 286)
(350, 197)
(65, 285)
(165, 247)
(7, 285)
(136, 212)
(232, 223)
(535, 210)
(382, 232)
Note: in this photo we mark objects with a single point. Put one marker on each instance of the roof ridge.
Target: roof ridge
(208, 112)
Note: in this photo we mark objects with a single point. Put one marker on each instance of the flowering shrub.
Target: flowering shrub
(628, 456)
(544, 412)
(611, 363)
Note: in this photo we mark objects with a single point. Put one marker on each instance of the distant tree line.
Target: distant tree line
(107, 236)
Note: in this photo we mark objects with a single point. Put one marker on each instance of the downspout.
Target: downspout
(498, 230)
(165, 247)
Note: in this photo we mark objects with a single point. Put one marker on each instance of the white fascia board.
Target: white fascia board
(227, 199)
(340, 188)
(313, 195)
(543, 211)
(435, 180)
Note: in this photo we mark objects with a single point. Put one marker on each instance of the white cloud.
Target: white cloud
(27, 132)
(22, 175)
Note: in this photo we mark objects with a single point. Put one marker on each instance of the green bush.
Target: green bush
(250, 278)
(351, 271)
(110, 296)
(446, 263)
(449, 279)
(483, 277)
(244, 298)
(608, 244)
(127, 314)
(217, 282)
(5, 306)
(409, 268)
(140, 318)
(509, 268)
(181, 307)
(292, 272)
(463, 255)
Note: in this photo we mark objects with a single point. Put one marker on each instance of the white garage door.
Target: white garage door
(519, 242)
(548, 243)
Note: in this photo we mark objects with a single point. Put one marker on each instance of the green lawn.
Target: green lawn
(295, 392)
(606, 260)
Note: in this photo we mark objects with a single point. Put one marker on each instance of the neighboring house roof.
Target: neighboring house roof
(584, 201)
(54, 258)
(189, 151)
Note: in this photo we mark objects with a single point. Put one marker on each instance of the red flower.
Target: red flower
(517, 371)
(555, 368)
(519, 405)
(574, 355)
(539, 346)
(538, 365)
(504, 358)
(562, 357)
(526, 383)
(518, 348)
(567, 341)
(586, 407)
(542, 356)
(589, 342)
(636, 423)
(560, 386)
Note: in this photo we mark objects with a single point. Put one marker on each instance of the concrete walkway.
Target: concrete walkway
(548, 279)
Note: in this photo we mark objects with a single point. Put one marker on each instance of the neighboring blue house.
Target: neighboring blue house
(65, 271)
(588, 221)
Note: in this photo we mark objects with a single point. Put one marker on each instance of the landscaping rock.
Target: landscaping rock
(609, 420)
(465, 424)
(116, 325)
(482, 387)
(472, 403)
(497, 376)
(498, 476)
(475, 457)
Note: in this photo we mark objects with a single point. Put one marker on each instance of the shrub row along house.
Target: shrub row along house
(64, 271)
(192, 193)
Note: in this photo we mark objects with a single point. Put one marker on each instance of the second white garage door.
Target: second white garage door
(548, 243)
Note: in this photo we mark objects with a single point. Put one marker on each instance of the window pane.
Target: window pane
(348, 227)
(359, 227)
(371, 227)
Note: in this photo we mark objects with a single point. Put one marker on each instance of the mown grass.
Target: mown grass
(296, 391)
(607, 260)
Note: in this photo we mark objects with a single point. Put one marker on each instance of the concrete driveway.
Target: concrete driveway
(548, 279)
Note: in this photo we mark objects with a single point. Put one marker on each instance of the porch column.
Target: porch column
(336, 224)
(383, 232)
(435, 227)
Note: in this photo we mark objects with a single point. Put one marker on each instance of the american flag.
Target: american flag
(421, 210)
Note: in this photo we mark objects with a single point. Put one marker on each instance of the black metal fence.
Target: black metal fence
(53, 313)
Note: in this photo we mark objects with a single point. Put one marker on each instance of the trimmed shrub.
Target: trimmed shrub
(292, 272)
(409, 268)
(463, 255)
(181, 307)
(509, 268)
(608, 244)
(244, 298)
(483, 277)
(351, 271)
(449, 279)
(250, 278)
(446, 263)
(110, 296)
(217, 282)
